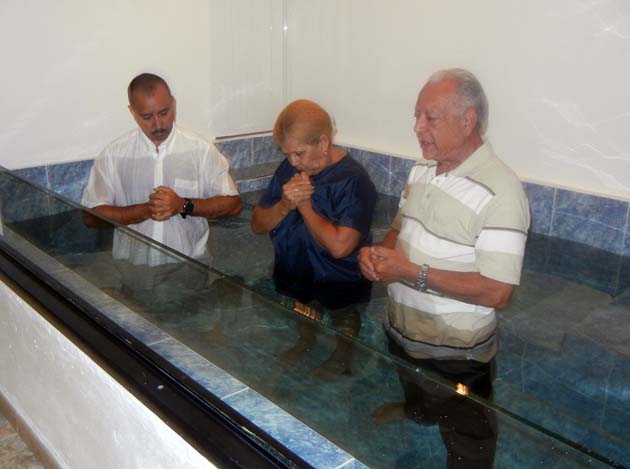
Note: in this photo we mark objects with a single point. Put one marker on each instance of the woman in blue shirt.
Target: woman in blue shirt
(318, 210)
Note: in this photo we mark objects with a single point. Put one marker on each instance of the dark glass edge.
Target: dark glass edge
(211, 426)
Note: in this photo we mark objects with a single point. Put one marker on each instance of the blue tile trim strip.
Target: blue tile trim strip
(69, 179)
(378, 166)
(254, 184)
(239, 152)
(595, 221)
(37, 174)
(264, 150)
(312, 447)
(591, 220)
(541, 206)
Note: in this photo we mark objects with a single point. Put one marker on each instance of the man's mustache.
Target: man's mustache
(159, 132)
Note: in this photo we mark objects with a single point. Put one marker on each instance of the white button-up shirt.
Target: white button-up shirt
(130, 168)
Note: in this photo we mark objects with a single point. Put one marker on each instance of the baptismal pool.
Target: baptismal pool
(564, 360)
(561, 390)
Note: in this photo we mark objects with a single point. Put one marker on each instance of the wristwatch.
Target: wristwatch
(188, 208)
(421, 281)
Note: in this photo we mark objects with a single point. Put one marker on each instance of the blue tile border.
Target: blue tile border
(588, 219)
(606, 212)
(37, 174)
(211, 377)
(541, 200)
(400, 168)
(378, 167)
(254, 184)
(310, 445)
(238, 152)
(589, 232)
(264, 150)
(69, 179)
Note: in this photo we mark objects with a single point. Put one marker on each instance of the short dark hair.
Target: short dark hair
(146, 83)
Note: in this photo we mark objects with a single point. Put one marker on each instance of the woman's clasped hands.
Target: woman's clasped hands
(297, 190)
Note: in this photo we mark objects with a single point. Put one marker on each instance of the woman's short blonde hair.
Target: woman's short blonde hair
(305, 120)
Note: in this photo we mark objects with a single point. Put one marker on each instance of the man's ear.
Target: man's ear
(469, 119)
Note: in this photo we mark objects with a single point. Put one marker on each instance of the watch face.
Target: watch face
(188, 208)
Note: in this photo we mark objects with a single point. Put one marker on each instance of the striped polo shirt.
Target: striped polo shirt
(472, 219)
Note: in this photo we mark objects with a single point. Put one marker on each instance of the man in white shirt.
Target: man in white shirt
(160, 180)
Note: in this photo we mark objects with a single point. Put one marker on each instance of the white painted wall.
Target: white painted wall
(246, 65)
(66, 65)
(83, 417)
(556, 73)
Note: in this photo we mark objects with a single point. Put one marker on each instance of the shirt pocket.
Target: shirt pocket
(186, 188)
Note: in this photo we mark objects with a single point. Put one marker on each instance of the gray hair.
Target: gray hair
(469, 91)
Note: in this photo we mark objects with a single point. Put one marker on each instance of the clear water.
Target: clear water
(562, 387)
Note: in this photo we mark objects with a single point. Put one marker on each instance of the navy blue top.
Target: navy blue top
(344, 195)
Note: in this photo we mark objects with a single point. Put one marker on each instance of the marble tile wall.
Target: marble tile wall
(587, 219)
(65, 179)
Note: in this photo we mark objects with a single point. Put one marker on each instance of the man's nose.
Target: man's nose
(420, 124)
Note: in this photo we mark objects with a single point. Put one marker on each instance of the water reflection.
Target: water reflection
(341, 302)
(245, 333)
(468, 429)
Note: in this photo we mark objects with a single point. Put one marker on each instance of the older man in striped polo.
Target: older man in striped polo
(455, 248)
(453, 254)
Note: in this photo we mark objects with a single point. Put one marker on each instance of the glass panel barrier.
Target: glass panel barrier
(300, 375)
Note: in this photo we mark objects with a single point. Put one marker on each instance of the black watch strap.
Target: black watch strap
(188, 208)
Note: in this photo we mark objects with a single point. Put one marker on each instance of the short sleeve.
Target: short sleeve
(219, 180)
(500, 245)
(100, 187)
(357, 204)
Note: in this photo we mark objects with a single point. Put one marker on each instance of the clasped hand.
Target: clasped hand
(164, 203)
(297, 191)
(380, 264)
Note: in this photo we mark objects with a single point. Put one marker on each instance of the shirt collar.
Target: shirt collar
(470, 164)
(166, 144)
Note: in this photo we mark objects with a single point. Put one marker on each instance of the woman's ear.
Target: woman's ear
(324, 142)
